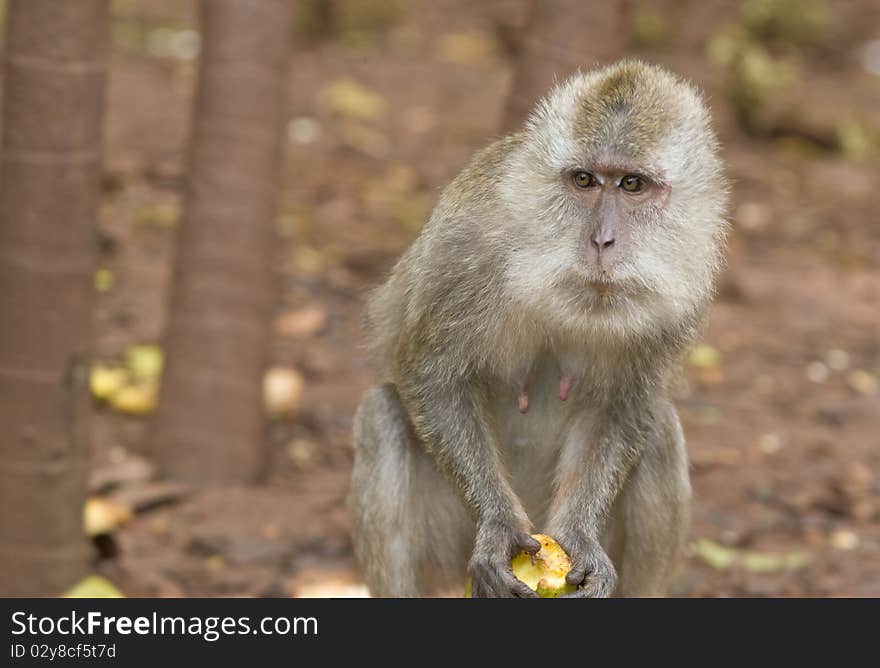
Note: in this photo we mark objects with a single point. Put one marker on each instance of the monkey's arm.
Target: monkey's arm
(450, 419)
(591, 473)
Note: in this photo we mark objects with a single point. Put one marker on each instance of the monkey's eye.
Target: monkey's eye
(584, 180)
(632, 183)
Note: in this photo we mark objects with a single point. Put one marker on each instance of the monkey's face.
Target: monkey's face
(610, 200)
(618, 195)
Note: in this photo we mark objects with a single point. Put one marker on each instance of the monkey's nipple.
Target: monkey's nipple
(564, 386)
(523, 400)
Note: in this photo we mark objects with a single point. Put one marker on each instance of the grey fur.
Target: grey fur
(493, 299)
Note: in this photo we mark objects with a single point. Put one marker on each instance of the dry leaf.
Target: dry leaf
(144, 361)
(93, 586)
(304, 321)
(717, 556)
(704, 356)
(103, 280)
(347, 97)
(721, 557)
(164, 216)
(105, 379)
(138, 399)
(466, 48)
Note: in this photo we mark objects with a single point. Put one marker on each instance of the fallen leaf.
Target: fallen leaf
(105, 379)
(316, 583)
(144, 361)
(303, 130)
(466, 48)
(769, 443)
(368, 140)
(717, 556)
(103, 280)
(138, 399)
(302, 452)
(651, 28)
(704, 356)
(282, 391)
(347, 97)
(761, 562)
(309, 261)
(93, 586)
(332, 590)
(102, 515)
(837, 359)
(304, 321)
(863, 382)
(721, 557)
(164, 216)
(844, 539)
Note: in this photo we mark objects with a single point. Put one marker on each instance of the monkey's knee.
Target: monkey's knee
(409, 529)
(655, 515)
(383, 452)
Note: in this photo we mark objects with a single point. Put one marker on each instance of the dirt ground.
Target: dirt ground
(783, 430)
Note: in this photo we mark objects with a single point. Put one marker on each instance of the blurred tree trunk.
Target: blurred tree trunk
(559, 37)
(53, 96)
(210, 426)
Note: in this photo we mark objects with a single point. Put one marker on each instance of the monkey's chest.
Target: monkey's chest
(532, 440)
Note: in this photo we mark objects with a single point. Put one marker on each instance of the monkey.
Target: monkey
(527, 345)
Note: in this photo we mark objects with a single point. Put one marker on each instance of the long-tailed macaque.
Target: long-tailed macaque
(527, 342)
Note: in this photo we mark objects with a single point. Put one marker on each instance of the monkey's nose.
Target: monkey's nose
(602, 239)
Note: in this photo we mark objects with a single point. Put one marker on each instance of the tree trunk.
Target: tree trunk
(209, 426)
(560, 37)
(55, 68)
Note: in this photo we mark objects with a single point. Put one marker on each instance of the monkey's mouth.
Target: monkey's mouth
(603, 286)
(600, 288)
(606, 291)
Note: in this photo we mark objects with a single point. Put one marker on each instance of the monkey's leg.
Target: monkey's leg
(652, 515)
(412, 534)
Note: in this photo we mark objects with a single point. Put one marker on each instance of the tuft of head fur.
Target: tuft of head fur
(495, 277)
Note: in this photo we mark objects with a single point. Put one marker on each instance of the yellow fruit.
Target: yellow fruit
(544, 572)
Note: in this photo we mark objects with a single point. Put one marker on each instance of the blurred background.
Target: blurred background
(385, 101)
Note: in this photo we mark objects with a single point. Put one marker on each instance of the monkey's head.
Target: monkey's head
(616, 200)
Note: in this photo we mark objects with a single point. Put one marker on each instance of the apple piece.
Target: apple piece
(543, 572)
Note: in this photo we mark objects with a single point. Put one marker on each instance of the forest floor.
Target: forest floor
(783, 422)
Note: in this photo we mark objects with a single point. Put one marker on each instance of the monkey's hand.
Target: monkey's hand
(591, 569)
(491, 575)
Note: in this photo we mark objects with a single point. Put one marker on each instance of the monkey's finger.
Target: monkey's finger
(494, 588)
(593, 587)
(580, 592)
(518, 588)
(479, 589)
(577, 573)
(492, 584)
(597, 584)
(602, 587)
(525, 542)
